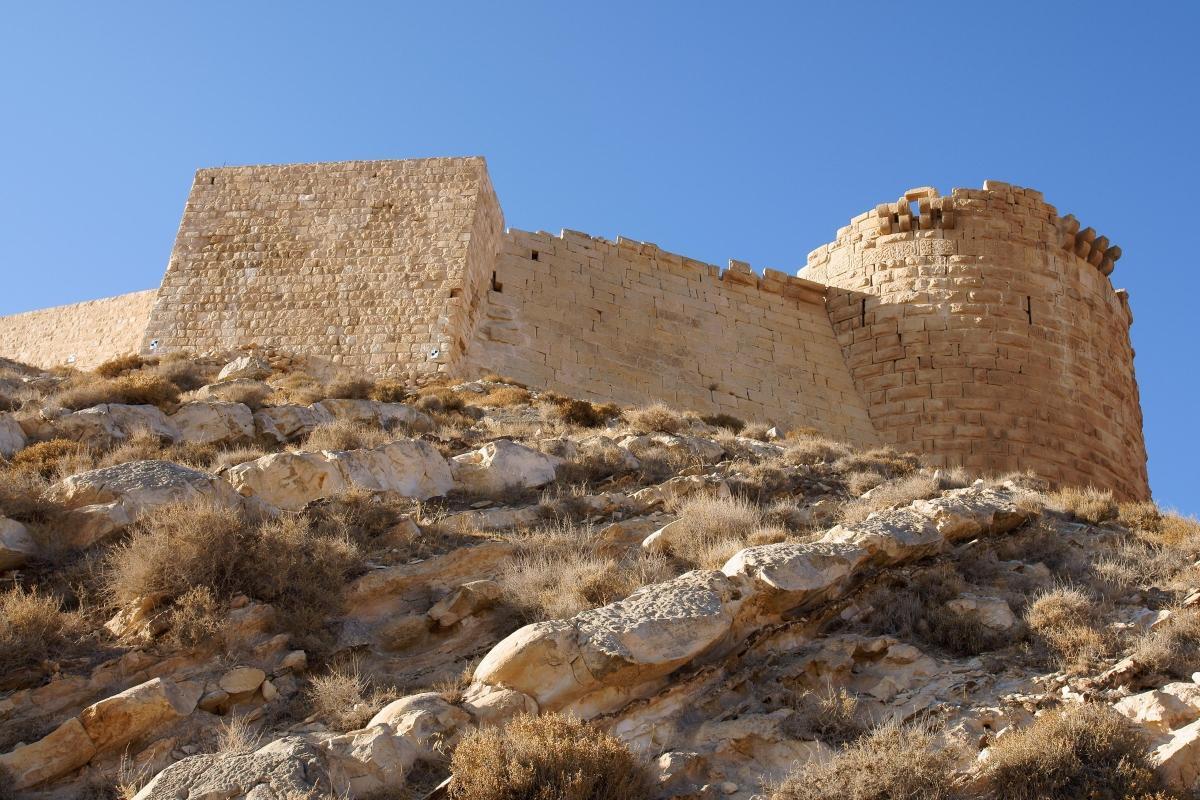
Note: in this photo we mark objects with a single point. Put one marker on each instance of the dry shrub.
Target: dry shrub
(48, 458)
(389, 391)
(859, 483)
(249, 393)
(120, 365)
(654, 417)
(136, 388)
(350, 389)
(237, 736)
(345, 434)
(180, 547)
(550, 757)
(812, 449)
(727, 421)
(504, 396)
(830, 716)
(1139, 515)
(912, 606)
(583, 414)
(1066, 620)
(893, 762)
(23, 497)
(340, 697)
(892, 494)
(1174, 647)
(555, 573)
(884, 460)
(146, 446)
(711, 529)
(194, 617)
(239, 455)
(186, 373)
(1090, 505)
(756, 431)
(441, 400)
(298, 387)
(1080, 751)
(33, 627)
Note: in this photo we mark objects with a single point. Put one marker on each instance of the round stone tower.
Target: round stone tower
(982, 329)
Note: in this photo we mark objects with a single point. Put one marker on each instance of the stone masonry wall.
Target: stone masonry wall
(367, 264)
(83, 335)
(629, 322)
(982, 329)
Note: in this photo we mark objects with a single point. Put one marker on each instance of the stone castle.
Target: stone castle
(980, 328)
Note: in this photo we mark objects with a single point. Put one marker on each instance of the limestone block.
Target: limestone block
(111, 422)
(135, 712)
(502, 465)
(468, 599)
(16, 545)
(64, 750)
(249, 367)
(214, 423)
(289, 423)
(12, 436)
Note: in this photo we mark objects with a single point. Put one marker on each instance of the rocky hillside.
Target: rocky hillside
(240, 578)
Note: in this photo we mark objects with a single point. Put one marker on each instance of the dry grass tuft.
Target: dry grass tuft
(711, 529)
(727, 421)
(52, 459)
(505, 396)
(390, 391)
(814, 449)
(550, 757)
(120, 365)
(1090, 505)
(830, 716)
(179, 548)
(135, 388)
(1077, 752)
(584, 414)
(890, 763)
(340, 697)
(23, 497)
(344, 434)
(655, 417)
(350, 389)
(556, 573)
(1174, 647)
(1066, 620)
(893, 494)
(32, 628)
(883, 460)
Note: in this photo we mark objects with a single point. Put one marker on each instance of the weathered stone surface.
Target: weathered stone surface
(242, 679)
(890, 536)
(676, 489)
(249, 367)
(115, 721)
(368, 760)
(968, 512)
(991, 612)
(495, 705)
(377, 414)
(111, 422)
(286, 768)
(468, 599)
(16, 545)
(214, 423)
(66, 749)
(502, 465)
(290, 481)
(1161, 710)
(704, 451)
(233, 391)
(106, 500)
(426, 720)
(12, 436)
(624, 644)
(787, 575)
(289, 423)
(1177, 761)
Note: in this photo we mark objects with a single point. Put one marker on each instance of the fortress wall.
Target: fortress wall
(986, 332)
(358, 263)
(631, 323)
(90, 333)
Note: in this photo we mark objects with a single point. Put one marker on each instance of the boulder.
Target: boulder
(991, 612)
(240, 680)
(1177, 760)
(468, 599)
(618, 648)
(64, 750)
(118, 720)
(290, 481)
(788, 575)
(495, 705)
(16, 545)
(705, 451)
(426, 720)
(288, 767)
(214, 423)
(890, 536)
(109, 499)
(233, 391)
(1159, 710)
(502, 465)
(376, 414)
(672, 491)
(289, 423)
(368, 761)
(12, 436)
(114, 422)
(248, 367)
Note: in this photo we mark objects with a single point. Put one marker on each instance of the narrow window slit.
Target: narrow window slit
(862, 320)
(1029, 308)
(496, 285)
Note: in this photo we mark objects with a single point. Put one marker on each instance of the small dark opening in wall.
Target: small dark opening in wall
(914, 208)
(455, 292)
(862, 319)
(1029, 308)
(496, 285)
(212, 181)
(534, 257)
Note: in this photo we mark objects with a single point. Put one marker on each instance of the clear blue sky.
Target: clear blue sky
(719, 130)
